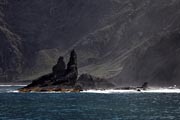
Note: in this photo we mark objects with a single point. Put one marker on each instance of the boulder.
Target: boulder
(145, 86)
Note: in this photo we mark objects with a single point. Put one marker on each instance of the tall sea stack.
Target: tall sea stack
(66, 79)
(59, 69)
(72, 71)
(60, 78)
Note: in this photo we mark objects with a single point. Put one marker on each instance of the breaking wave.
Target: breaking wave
(115, 91)
(11, 85)
(159, 90)
(13, 89)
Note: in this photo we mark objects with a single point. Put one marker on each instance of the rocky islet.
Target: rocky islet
(66, 79)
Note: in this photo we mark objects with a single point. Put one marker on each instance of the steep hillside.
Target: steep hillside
(158, 65)
(120, 50)
(11, 58)
(127, 41)
(50, 28)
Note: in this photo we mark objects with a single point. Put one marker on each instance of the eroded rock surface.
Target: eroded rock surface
(87, 81)
(66, 79)
(61, 79)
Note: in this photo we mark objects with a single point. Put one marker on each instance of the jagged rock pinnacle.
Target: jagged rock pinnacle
(59, 68)
(72, 71)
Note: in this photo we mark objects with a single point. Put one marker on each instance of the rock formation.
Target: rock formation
(72, 72)
(66, 79)
(59, 69)
(87, 81)
(60, 78)
(145, 86)
(120, 40)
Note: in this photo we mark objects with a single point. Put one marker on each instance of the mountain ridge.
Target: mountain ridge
(111, 37)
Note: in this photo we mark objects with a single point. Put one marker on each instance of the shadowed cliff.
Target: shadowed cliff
(66, 79)
(125, 41)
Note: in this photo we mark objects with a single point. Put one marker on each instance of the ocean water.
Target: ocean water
(88, 105)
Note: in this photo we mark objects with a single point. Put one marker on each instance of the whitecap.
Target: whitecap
(11, 85)
(160, 90)
(13, 91)
(110, 91)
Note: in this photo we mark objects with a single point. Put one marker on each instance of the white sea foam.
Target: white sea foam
(111, 91)
(11, 85)
(13, 91)
(162, 90)
(159, 90)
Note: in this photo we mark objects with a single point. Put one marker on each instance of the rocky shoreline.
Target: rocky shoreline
(65, 79)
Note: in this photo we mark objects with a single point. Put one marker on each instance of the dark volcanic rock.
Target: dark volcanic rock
(145, 86)
(42, 81)
(62, 79)
(119, 40)
(87, 81)
(72, 72)
(59, 69)
(59, 78)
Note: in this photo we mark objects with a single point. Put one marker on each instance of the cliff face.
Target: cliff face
(124, 49)
(11, 57)
(61, 22)
(50, 28)
(128, 41)
(158, 64)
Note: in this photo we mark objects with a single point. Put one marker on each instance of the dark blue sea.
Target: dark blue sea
(88, 106)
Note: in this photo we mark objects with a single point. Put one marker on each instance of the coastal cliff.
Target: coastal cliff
(127, 42)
